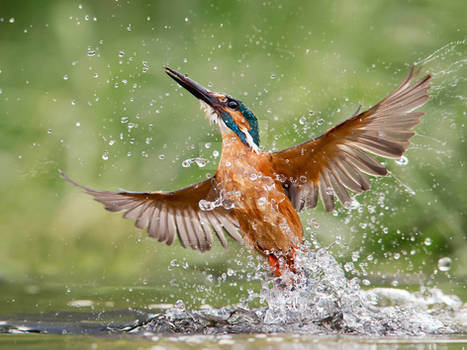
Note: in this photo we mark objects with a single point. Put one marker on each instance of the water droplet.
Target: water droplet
(162, 156)
(11, 20)
(49, 131)
(73, 102)
(349, 266)
(124, 120)
(111, 142)
(186, 19)
(78, 124)
(215, 153)
(207, 145)
(444, 264)
(228, 204)
(302, 120)
(145, 66)
(201, 162)
(427, 241)
(105, 155)
(65, 77)
(320, 121)
(180, 305)
(352, 204)
(338, 240)
(91, 52)
(402, 161)
(121, 53)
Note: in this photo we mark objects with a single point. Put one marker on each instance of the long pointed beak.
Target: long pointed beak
(193, 87)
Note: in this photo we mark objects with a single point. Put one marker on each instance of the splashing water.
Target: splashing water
(321, 300)
(200, 162)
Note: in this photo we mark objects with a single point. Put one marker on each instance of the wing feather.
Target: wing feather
(169, 225)
(338, 160)
(153, 226)
(206, 229)
(144, 218)
(217, 228)
(167, 215)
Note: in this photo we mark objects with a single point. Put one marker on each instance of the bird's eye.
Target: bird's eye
(232, 104)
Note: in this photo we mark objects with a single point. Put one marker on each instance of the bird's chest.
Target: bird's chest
(258, 201)
(248, 182)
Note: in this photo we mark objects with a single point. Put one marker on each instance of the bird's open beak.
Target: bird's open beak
(193, 87)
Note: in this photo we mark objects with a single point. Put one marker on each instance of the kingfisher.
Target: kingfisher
(256, 196)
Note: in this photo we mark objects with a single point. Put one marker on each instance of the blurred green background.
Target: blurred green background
(82, 89)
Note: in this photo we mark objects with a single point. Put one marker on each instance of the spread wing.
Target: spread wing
(338, 160)
(169, 214)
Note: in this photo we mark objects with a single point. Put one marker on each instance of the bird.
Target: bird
(256, 196)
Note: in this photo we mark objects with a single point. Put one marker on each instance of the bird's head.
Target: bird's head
(227, 112)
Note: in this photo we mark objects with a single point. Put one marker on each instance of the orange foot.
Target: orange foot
(282, 262)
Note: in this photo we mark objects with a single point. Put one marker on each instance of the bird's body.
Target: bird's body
(257, 199)
(255, 196)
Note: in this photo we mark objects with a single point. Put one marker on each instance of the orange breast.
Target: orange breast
(266, 216)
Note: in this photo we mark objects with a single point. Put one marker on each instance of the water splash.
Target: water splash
(320, 301)
(200, 162)
(405, 186)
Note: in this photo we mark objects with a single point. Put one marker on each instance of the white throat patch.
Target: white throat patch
(209, 113)
(250, 141)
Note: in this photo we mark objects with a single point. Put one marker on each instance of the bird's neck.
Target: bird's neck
(234, 151)
(232, 145)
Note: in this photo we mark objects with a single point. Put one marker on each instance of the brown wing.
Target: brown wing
(168, 214)
(338, 160)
